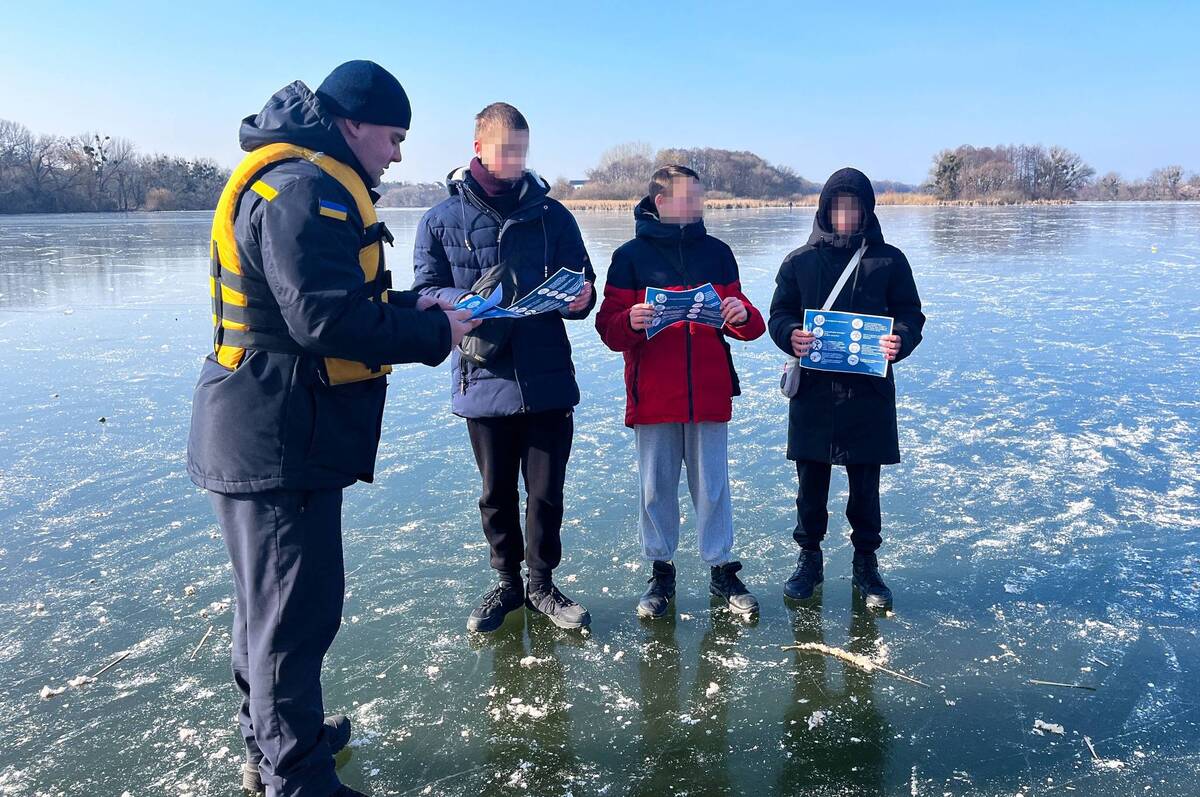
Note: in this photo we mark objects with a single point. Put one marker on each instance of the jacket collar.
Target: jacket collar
(534, 189)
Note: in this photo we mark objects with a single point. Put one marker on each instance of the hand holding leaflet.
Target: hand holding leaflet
(557, 292)
(478, 305)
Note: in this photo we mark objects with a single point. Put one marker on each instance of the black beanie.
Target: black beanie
(365, 92)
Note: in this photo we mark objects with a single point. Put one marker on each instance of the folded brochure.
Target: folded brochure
(700, 305)
(562, 288)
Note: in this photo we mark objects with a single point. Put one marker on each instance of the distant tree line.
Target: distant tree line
(411, 195)
(1165, 183)
(624, 171)
(91, 172)
(1024, 173)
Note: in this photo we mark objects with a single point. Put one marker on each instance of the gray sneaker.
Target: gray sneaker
(561, 610)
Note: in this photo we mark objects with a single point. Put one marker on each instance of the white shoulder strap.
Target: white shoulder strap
(841, 283)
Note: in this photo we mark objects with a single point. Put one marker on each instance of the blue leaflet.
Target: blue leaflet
(479, 306)
(562, 288)
(846, 342)
(701, 305)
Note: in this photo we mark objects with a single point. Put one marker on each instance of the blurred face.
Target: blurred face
(503, 152)
(683, 203)
(376, 146)
(846, 214)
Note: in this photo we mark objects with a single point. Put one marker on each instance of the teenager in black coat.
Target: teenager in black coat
(838, 418)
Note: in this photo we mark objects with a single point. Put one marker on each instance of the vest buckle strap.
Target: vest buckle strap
(377, 232)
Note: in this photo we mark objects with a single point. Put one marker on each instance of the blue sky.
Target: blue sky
(814, 86)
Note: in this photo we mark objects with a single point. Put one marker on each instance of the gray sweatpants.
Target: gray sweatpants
(704, 448)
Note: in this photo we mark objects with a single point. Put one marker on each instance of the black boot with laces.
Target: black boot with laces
(497, 602)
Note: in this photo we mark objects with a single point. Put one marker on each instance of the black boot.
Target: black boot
(810, 571)
(658, 595)
(495, 605)
(866, 577)
(337, 734)
(726, 584)
(561, 610)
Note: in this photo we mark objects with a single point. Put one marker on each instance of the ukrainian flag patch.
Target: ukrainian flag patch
(333, 210)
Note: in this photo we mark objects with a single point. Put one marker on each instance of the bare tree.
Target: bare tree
(1110, 185)
(1165, 182)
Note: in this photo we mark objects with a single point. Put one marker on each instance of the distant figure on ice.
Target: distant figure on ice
(843, 418)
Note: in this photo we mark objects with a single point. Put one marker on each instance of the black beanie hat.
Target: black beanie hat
(365, 92)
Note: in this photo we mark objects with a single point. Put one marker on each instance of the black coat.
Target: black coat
(845, 419)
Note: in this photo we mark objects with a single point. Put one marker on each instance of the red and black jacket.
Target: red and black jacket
(685, 373)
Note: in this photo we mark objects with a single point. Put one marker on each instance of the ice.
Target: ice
(1042, 525)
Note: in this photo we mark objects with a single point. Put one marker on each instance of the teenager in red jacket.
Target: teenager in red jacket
(680, 383)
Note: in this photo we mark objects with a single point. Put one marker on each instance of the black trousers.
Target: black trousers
(289, 584)
(535, 446)
(862, 509)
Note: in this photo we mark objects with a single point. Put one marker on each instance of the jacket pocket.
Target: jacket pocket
(346, 423)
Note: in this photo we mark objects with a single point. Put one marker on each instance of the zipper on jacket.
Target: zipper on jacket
(687, 331)
(637, 370)
(504, 225)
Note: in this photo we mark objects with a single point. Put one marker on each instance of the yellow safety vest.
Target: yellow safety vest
(243, 317)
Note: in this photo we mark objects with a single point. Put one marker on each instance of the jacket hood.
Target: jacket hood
(648, 224)
(294, 115)
(846, 181)
(533, 186)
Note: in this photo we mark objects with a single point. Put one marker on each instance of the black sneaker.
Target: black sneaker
(875, 593)
(337, 734)
(561, 610)
(810, 572)
(726, 585)
(495, 605)
(658, 595)
(346, 791)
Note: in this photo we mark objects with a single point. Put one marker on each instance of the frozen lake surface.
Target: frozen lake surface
(1043, 526)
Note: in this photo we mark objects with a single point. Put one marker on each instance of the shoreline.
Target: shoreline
(627, 205)
(889, 199)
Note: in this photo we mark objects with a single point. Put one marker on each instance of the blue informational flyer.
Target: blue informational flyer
(478, 305)
(700, 305)
(846, 342)
(562, 288)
